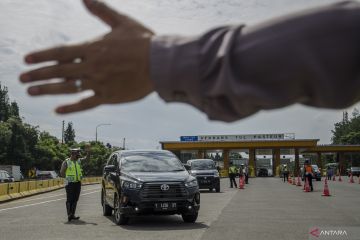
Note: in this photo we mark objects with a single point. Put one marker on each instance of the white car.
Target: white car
(5, 177)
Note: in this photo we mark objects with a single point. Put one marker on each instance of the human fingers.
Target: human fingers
(61, 53)
(82, 105)
(66, 87)
(67, 70)
(104, 12)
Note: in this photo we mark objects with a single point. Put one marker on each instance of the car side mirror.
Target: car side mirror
(109, 169)
(187, 167)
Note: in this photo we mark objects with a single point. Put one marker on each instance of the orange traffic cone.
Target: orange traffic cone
(351, 178)
(306, 186)
(241, 182)
(340, 180)
(334, 179)
(326, 192)
(293, 181)
(298, 182)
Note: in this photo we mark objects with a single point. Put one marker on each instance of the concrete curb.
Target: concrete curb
(15, 196)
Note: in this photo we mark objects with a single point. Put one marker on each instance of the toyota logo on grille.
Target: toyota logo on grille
(164, 187)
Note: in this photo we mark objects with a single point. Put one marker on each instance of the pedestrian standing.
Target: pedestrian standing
(72, 171)
(232, 174)
(246, 173)
(309, 173)
(285, 173)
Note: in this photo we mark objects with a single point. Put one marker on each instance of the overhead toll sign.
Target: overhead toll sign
(238, 137)
(189, 138)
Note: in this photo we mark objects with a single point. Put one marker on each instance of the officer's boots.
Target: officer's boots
(73, 210)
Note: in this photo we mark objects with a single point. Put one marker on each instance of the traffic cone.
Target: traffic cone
(351, 178)
(334, 179)
(293, 181)
(340, 180)
(306, 186)
(298, 182)
(241, 182)
(326, 192)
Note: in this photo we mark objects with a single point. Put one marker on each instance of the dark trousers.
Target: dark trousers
(232, 180)
(247, 178)
(286, 176)
(328, 177)
(72, 197)
(309, 178)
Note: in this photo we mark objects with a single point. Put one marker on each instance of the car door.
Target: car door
(107, 181)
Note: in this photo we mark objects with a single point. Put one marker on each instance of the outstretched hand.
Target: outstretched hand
(116, 67)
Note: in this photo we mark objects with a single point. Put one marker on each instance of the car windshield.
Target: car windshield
(202, 165)
(151, 162)
(315, 167)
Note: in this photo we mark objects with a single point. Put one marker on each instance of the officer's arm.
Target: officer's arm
(63, 169)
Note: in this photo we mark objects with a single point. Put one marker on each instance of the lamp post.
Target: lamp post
(99, 125)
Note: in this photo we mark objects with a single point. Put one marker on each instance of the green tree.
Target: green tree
(4, 104)
(69, 134)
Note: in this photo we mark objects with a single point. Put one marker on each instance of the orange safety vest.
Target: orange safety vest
(308, 169)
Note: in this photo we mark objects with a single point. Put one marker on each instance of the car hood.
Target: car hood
(204, 172)
(159, 176)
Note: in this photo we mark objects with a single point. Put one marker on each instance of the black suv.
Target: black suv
(205, 172)
(138, 182)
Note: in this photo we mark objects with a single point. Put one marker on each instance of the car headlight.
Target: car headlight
(192, 183)
(193, 174)
(216, 174)
(131, 185)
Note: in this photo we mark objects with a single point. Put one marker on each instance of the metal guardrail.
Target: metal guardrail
(14, 190)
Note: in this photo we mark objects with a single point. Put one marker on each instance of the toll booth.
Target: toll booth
(245, 149)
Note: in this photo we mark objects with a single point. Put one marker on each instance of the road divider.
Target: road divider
(16, 190)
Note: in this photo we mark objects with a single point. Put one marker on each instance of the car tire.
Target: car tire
(190, 218)
(210, 189)
(107, 210)
(120, 218)
(217, 188)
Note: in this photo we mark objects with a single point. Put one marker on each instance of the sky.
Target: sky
(26, 26)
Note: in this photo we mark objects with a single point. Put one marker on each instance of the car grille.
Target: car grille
(201, 178)
(153, 191)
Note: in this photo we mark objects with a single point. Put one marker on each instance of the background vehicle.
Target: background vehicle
(205, 172)
(5, 177)
(262, 172)
(148, 182)
(42, 175)
(14, 171)
(355, 171)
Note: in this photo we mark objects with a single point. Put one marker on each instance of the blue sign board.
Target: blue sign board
(189, 138)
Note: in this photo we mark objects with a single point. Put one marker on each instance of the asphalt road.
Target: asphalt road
(266, 209)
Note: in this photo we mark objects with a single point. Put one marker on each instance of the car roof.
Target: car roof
(203, 159)
(143, 150)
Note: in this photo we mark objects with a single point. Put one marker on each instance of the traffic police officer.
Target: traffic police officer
(72, 171)
(232, 174)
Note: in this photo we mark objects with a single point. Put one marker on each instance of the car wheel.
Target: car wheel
(190, 218)
(107, 210)
(210, 189)
(217, 188)
(120, 218)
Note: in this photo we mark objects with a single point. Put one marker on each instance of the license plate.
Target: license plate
(165, 206)
(205, 181)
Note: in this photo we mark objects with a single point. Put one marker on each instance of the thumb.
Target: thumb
(101, 10)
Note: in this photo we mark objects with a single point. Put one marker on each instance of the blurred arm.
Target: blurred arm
(232, 72)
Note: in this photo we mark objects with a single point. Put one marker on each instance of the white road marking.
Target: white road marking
(34, 204)
(51, 196)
